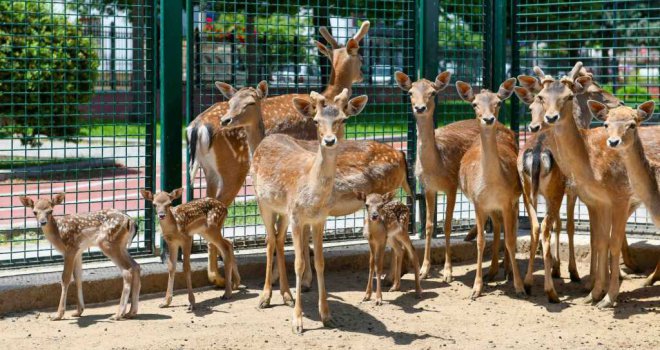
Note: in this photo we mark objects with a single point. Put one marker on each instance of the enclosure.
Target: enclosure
(94, 94)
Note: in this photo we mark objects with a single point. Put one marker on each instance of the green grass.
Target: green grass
(243, 214)
(18, 237)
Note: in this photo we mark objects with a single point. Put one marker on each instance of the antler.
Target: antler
(363, 31)
(574, 72)
(342, 97)
(539, 72)
(329, 38)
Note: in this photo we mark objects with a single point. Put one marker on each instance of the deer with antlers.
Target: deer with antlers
(295, 185)
(204, 216)
(488, 175)
(223, 153)
(600, 183)
(363, 165)
(111, 230)
(622, 125)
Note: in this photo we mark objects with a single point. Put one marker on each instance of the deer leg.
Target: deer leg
(114, 252)
(77, 276)
(429, 197)
(495, 259)
(556, 261)
(380, 258)
(282, 226)
(372, 251)
(530, 207)
(212, 265)
(135, 285)
(653, 277)
(67, 273)
(510, 218)
(171, 271)
(570, 231)
(395, 265)
(618, 235)
(307, 276)
(227, 256)
(404, 240)
(601, 223)
(236, 277)
(481, 244)
(628, 258)
(319, 265)
(397, 253)
(450, 201)
(298, 243)
(271, 244)
(548, 284)
(187, 247)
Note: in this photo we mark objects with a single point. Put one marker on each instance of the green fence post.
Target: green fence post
(170, 96)
(515, 66)
(190, 83)
(499, 45)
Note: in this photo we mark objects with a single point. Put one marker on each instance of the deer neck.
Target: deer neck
(642, 177)
(322, 173)
(572, 151)
(336, 85)
(52, 233)
(169, 225)
(255, 134)
(490, 157)
(426, 147)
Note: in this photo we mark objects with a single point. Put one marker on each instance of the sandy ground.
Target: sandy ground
(443, 318)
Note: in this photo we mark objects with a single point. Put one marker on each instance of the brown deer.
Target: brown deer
(387, 223)
(111, 230)
(210, 145)
(489, 177)
(295, 185)
(178, 224)
(363, 165)
(622, 124)
(601, 185)
(439, 154)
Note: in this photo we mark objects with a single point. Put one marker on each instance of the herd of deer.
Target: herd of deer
(303, 170)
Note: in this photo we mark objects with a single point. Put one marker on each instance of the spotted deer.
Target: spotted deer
(110, 230)
(439, 154)
(601, 183)
(363, 165)
(387, 222)
(223, 153)
(293, 184)
(488, 175)
(178, 224)
(622, 125)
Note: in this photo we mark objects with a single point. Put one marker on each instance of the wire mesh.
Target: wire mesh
(616, 40)
(76, 110)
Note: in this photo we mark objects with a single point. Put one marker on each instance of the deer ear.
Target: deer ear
(26, 201)
(506, 89)
(324, 50)
(352, 47)
(403, 80)
(530, 83)
(524, 95)
(305, 107)
(227, 90)
(58, 199)
(389, 196)
(442, 81)
(598, 110)
(464, 91)
(146, 194)
(176, 193)
(262, 89)
(356, 105)
(645, 111)
(582, 84)
(361, 196)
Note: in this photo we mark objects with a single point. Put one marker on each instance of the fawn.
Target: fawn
(204, 216)
(387, 222)
(111, 230)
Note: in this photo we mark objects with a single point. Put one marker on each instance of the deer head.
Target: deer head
(329, 115)
(43, 208)
(621, 122)
(486, 104)
(535, 107)
(346, 61)
(422, 92)
(162, 201)
(375, 203)
(244, 104)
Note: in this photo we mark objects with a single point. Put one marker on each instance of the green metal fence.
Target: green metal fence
(76, 116)
(616, 40)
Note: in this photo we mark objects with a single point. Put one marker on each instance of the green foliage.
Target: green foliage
(630, 94)
(49, 69)
(455, 32)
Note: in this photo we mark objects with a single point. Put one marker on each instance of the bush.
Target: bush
(49, 68)
(630, 94)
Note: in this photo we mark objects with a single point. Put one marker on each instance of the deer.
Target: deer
(387, 222)
(203, 216)
(489, 178)
(294, 185)
(622, 126)
(223, 153)
(110, 230)
(439, 153)
(601, 185)
(363, 165)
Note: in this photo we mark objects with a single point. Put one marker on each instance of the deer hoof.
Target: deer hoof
(606, 303)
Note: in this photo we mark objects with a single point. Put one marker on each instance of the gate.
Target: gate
(77, 116)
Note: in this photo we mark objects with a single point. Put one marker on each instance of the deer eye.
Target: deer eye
(539, 98)
(474, 105)
(316, 122)
(632, 126)
(409, 93)
(605, 125)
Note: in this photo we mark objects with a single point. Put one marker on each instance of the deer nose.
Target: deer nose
(161, 216)
(43, 222)
(613, 142)
(550, 119)
(489, 120)
(374, 216)
(420, 109)
(226, 121)
(534, 127)
(329, 141)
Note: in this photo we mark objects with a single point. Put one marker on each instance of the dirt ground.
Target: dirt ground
(443, 318)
